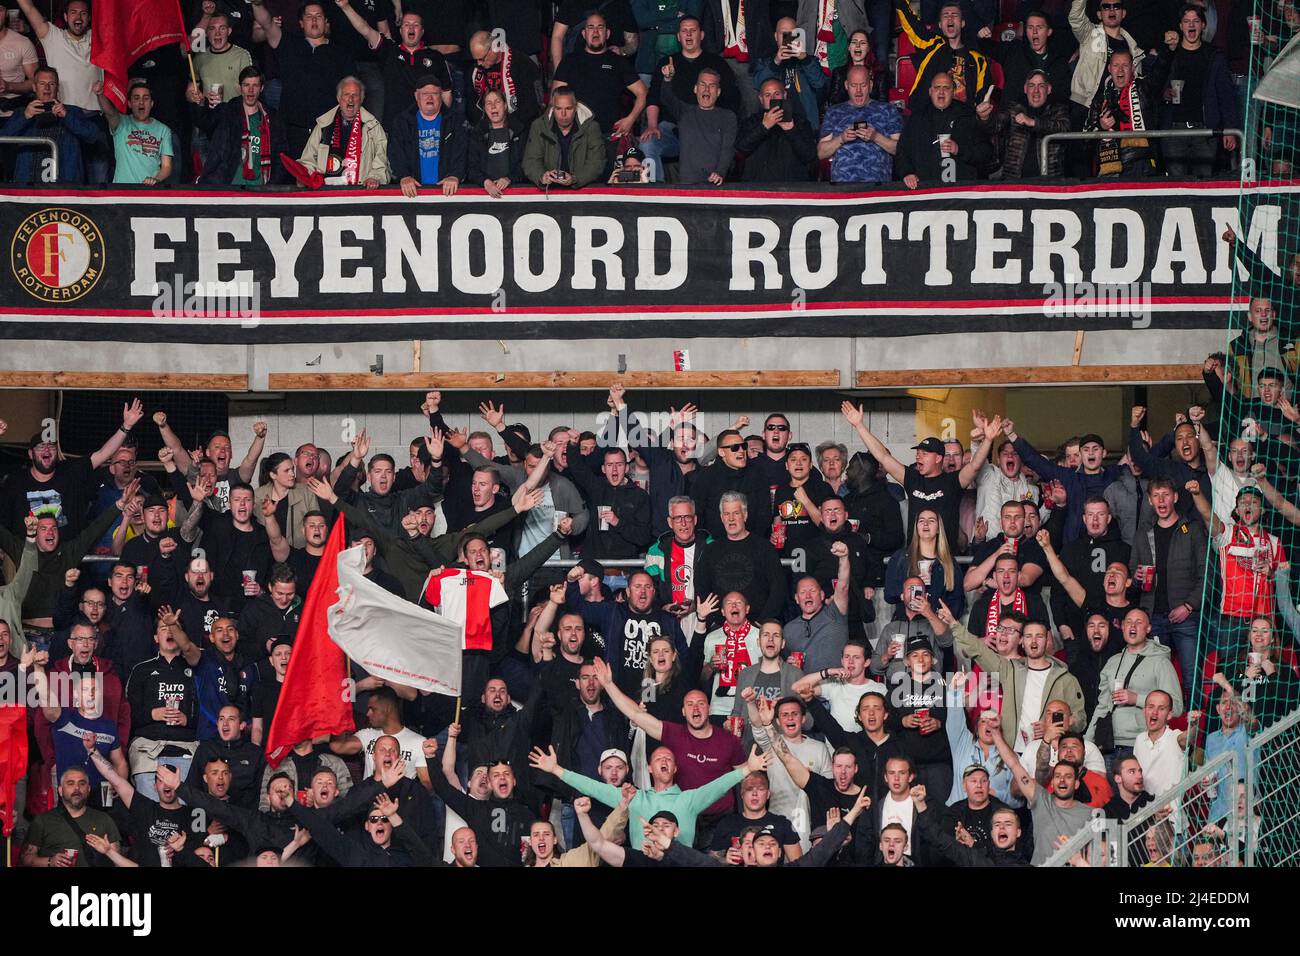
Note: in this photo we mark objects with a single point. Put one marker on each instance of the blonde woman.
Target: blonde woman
(928, 557)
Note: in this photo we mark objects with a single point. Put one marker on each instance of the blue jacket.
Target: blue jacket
(70, 133)
(1078, 486)
(809, 83)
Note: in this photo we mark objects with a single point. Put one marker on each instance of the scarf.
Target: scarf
(827, 13)
(1018, 604)
(352, 152)
(1110, 156)
(264, 147)
(679, 574)
(507, 87)
(734, 653)
(735, 43)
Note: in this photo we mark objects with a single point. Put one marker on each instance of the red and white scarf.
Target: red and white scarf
(735, 44)
(1019, 604)
(679, 573)
(263, 147)
(351, 172)
(507, 87)
(735, 654)
(826, 10)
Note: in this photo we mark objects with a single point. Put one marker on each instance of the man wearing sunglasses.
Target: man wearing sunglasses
(776, 443)
(733, 471)
(1097, 41)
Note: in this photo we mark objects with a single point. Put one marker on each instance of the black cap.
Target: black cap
(592, 567)
(429, 79)
(285, 639)
(1092, 438)
(154, 501)
(1037, 72)
(355, 535)
(665, 815)
(932, 445)
(632, 152)
(917, 642)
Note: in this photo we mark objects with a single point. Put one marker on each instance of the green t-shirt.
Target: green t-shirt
(139, 148)
(255, 156)
(54, 832)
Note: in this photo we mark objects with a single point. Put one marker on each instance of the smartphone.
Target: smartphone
(777, 105)
(787, 38)
(629, 175)
(914, 592)
(1058, 718)
(860, 124)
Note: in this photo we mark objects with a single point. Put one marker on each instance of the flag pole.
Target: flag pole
(457, 718)
(189, 54)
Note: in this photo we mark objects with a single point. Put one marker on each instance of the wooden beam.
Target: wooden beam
(132, 381)
(423, 381)
(1037, 375)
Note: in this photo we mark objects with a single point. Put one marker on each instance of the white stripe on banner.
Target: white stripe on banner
(391, 637)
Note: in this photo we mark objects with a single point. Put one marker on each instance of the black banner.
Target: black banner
(231, 267)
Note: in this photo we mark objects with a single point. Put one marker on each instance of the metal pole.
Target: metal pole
(1047, 140)
(38, 141)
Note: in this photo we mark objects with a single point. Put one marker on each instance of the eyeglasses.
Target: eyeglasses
(681, 517)
(92, 603)
(778, 428)
(734, 446)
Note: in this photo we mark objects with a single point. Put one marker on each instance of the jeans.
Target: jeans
(1182, 639)
(1190, 157)
(880, 16)
(667, 146)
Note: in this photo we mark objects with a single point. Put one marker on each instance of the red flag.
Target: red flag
(312, 700)
(13, 762)
(124, 31)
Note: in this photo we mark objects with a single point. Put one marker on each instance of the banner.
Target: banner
(389, 636)
(263, 267)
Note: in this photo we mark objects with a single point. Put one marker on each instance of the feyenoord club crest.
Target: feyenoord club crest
(57, 255)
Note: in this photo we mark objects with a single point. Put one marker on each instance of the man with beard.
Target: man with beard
(619, 511)
(742, 560)
(58, 838)
(196, 608)
(1007, 593)
(560, 652)
(865, 573)
(218, 454)
(501, 823)
(986, 552)
(1056, 811)
(1185, 463)
(384, 716)
(60, 489)
(152, 823)
(159, 550)
(585, 731)
(842, 687)
(389, 841)
(127, 614)
(702, 750)
(831, 797)
(755, 812)
(598, 77)
(628, 627)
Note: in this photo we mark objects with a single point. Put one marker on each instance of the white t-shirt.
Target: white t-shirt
(898, 811)
(1092, 758)
(842, 698)
(1031, 705)
(16, 51)
(70, 56)
(1162, 761)
(410, 743)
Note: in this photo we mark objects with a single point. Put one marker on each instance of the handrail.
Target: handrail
(1092, 833)
(37, 140)
(1046, 141)
(1209, 772)
(1253, 746)
(557, 562)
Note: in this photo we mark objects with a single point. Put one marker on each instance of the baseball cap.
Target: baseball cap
(1036, 72)
(593, 567)
(279, 639)
(1250, 490)
(973, 768)
(154, 501)
(665, 815)
(632, 152)
(1092, 438)
(917, 642)
(355, 535)
(933, 445)
(429, 79)
(613, 752)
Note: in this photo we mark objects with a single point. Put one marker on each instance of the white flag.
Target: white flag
(391, 637)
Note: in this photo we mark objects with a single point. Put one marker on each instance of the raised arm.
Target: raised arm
(189, 650)
(132, 412)
(607, 850)
(854, 415)
(262, 17)
(842, 577)
(248, 467)
(760, 720)
(368, 33)
(629, 708)
(1022, 776)
(545, 761)
(1078, 594)
(40, 26)
(1274, 497)
(121, 786)
(980, 453)
(280, 547)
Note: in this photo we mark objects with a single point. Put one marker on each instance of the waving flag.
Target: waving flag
(124, 31)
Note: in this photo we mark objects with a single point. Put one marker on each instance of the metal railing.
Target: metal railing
(1272, 779)
(1182, 812)
(1050, 138)
(1094, 840)
(37, 141)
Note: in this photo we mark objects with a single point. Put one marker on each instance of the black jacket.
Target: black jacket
(500, 825)
(405, 848)
(712, 482)
(942, 844)
(225, 128)
(404, 146)
(478, 152)
(776, 155)
(631, 536)
(918, 153)
(880, 522)
(567, 729)
(246, 763)
(750, 566)
(871, 756)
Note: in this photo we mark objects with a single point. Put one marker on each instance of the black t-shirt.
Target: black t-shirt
(1161, 590)
(304, 567)
(557, 679)
(795, 520)
(733, 824)
(373, 12)
(310, 75)
(599, 79)
(152, 826)
(265, 696)
(1191, 66)
(66, 494)
(978, 823)
(942, 493)
(822, 795)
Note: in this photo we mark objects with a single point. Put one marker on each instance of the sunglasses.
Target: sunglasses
(376, 819)
(734, 446)
(1112, 6)
(778, 428)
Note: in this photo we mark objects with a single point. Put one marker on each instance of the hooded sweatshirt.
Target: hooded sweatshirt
(1147, 669)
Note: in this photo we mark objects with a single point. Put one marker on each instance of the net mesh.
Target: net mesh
(1248, 679)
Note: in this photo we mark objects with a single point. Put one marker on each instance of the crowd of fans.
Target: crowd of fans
(753, 650)
(503, 93)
